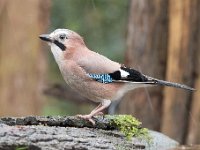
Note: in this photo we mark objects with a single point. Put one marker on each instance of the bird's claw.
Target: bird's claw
(87, 117)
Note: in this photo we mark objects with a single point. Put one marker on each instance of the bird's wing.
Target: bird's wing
(106, 71)
(131, 75)
(123, 74)
(95, 63)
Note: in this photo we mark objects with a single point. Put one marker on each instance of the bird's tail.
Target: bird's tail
(171, 84)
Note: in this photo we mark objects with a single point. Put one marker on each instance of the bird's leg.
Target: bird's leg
(91, 111)
(104, 104)
(99, 113)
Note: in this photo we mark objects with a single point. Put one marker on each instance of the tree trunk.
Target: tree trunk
(146, 52)
(179, 69)
(22, 61)
(194, 120)
(193, 136)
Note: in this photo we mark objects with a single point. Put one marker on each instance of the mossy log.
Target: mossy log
(69, 132)
(64, 121)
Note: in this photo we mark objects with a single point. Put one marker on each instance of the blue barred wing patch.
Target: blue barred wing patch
(103, 78)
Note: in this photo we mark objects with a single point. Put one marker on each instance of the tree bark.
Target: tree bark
(69, 133)
(22, 61)
(146, 52)
(176, 103)
(193, 136)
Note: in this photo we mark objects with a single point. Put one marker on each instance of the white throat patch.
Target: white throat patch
(57, 53)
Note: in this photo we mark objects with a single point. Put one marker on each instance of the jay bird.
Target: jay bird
(93, 75)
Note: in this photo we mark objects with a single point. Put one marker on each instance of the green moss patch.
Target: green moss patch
(129, 126)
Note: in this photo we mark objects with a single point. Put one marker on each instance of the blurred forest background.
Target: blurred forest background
(158, 38)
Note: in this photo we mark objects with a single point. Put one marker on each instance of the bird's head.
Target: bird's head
(63, 39)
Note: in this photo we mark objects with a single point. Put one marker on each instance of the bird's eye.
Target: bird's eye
(62, 36)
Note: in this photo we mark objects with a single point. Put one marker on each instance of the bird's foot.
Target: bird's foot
(87, 117)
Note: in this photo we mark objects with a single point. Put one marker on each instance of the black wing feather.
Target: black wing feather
(133, 75)
(137, 77)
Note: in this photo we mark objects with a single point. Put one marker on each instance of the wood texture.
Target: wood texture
(157, 36)
(179, 69)
(72, 133)
(193, 136)
(22, 61)
(146, 52)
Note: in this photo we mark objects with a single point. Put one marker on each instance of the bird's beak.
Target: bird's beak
(45, 37)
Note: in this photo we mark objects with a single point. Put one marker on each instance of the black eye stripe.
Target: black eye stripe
(60, 45)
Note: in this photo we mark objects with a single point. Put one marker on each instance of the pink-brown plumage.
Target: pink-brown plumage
(77, 78)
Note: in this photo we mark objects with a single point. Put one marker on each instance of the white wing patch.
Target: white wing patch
(124, 74)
